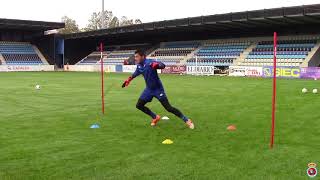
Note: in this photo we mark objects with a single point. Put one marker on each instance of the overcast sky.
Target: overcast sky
(146, 10)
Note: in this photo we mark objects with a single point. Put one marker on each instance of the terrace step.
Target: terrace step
(311, 54)
(244, 54)
(43, 59)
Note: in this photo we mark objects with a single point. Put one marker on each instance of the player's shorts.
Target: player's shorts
(148, 94)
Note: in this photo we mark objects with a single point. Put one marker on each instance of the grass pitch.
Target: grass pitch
(45, 134)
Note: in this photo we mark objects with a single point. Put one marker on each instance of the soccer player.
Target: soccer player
(148, 68)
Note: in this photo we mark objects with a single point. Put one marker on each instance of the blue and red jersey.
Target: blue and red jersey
(150, 75)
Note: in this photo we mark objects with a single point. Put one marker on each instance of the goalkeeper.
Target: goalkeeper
(148, 68)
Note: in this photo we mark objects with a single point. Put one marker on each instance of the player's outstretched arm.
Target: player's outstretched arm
(127, 82)
(157, 65)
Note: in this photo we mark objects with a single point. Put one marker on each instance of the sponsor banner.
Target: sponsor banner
(200, 70)
(129, 68)
(237, 71)
(109, 68)
(14, 68)
(282, 72)
(90, 68)
(82, 68)
(253, 71)
(174, 69)
(245, 71)
(118, 68)
(310, 72)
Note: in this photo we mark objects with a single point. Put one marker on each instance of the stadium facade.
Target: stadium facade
(250, 29)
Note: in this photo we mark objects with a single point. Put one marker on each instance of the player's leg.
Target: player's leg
(146, 97)
(141, 106)
(165, 103)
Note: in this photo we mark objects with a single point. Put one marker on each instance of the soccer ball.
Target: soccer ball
(315, 91)
(304, 90)
(37, 87)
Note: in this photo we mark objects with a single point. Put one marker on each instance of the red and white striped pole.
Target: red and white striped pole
(102, 78)
(274, 88)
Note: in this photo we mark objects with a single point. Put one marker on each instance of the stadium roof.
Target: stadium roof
(29, 25)
(220, 23)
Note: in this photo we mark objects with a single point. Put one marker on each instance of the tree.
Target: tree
(95, 21)
(114, 22)
(110, 21)
(125, 21)
(71, 26)
(137, 21)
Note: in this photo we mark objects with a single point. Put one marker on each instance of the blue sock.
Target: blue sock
(184, 118)
(153, 115)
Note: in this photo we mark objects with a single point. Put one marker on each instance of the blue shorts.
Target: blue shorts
(148, 94)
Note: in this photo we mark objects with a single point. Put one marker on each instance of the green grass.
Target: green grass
(45, 134)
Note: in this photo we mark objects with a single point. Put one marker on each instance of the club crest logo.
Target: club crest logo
(312, 170)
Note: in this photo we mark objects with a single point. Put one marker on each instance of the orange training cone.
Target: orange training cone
(231, 128)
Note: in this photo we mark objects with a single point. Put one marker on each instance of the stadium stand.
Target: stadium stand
(114, 55)
(253, 51)
(290, 52)
(19, 53)
(228, 32)
(93, 58)
(214, 53)
(118, 57)
(174, 52)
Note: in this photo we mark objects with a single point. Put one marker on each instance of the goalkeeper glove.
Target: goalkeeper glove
(155, 65)
(127, 82)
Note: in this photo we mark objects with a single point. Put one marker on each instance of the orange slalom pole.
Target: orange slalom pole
(102, 78)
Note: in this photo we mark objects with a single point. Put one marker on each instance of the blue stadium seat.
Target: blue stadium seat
(288, 51)
(218, 54)
(16, 53)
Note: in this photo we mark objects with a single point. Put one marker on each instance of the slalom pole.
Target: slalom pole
(102, 78)
(274, 88)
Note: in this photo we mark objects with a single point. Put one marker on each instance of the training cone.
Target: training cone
(231, 128)
(94, 126)
(165, 118)
(167, 141)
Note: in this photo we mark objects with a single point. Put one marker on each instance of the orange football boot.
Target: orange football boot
(190, 124)
(155, 121)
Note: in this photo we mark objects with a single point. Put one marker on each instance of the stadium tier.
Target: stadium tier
(253, 51)
(172, 53)
(289, 53)
(218, 53)
(114, 55)
(20, 53)
(118, 57)
(93, 58)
